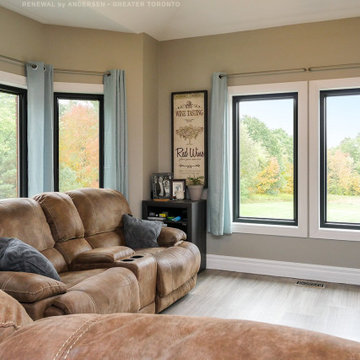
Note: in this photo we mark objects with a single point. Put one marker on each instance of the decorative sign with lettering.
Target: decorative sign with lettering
(189, 134)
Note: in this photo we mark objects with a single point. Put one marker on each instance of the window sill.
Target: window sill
(267, 229)
(335, 234)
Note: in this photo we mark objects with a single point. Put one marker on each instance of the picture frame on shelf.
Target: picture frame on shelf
(178, 187)
(161, 188)
(189, 134)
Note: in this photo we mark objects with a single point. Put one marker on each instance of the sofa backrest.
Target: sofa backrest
(24, 219)
(84, 219)
(101, 212)
(65, 223)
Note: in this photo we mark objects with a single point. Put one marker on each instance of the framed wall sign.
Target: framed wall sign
(189, 134)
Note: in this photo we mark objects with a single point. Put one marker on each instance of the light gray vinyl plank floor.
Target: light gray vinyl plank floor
(333, 310)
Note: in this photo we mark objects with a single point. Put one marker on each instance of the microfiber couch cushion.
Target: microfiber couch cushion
(139, 233)
(15, 255)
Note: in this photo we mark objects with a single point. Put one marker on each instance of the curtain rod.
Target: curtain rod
(334, 67)
(265, 72)
(296, 70)
(252, 73)
(81, 72)
(63, 71)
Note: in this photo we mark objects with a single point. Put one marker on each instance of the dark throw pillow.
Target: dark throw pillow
(139, 233)
(15, 255)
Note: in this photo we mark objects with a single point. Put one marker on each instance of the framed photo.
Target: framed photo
(178, 189)
(161, 185)
(189, 134)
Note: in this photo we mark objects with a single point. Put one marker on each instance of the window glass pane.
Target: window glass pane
(8, 145)
(78, 144)
(266, 155)
(343, 158)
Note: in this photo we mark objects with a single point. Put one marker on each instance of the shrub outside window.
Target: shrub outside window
(340, 159)
(13, 142)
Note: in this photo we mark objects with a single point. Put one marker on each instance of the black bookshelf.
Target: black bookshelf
(193, 220)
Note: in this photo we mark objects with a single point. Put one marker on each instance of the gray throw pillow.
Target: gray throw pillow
(16, 255)
(139, 233)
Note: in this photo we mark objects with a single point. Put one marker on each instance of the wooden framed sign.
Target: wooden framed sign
(189, 134)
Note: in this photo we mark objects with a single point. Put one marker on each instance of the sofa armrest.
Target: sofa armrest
(170, 236)
(103, 255)
(28, 287)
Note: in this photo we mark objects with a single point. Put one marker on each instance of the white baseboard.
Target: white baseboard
(286, 269)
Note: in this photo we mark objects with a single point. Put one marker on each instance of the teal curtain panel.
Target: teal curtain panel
(40, 127)
(219, 193)
(115, 132)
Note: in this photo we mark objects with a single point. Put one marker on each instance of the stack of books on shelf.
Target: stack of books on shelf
(157, 218)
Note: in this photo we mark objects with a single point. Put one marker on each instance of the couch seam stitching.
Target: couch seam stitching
(79, 337)
(183, 285)
(6, 282)
(90, 296)
(9, 324)
(69, 338)
(31, 292)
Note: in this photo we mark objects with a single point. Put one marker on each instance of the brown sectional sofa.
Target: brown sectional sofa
(155, 337)
(81, 233)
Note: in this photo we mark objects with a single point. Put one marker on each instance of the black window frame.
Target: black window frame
(236, 153)
(78, 96)
(22, 137)
(324, 94)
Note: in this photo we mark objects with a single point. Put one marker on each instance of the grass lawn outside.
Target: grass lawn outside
(268, 206)
(340, 208)
(343, 208)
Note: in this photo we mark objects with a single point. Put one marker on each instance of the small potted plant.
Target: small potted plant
(195, 185)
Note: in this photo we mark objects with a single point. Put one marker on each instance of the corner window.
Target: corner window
(13, 142)
(340, 159)
(78, 141)
(265, 158)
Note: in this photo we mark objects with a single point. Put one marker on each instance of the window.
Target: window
(340, 159)
(78, 141)
(333, 174)
(265, 158)
(13, 143)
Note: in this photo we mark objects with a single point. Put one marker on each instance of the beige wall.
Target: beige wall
(150, 108)
(154, 70)
(187, 64)
(96, 50)
(21, 38)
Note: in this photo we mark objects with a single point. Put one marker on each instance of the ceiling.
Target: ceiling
(175, 19)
